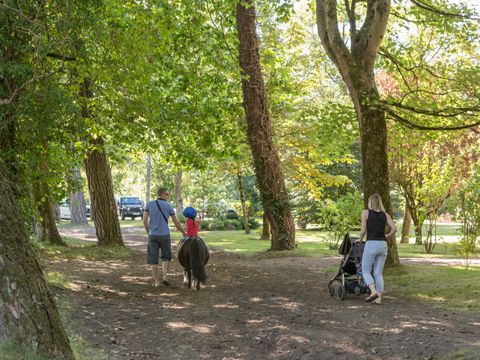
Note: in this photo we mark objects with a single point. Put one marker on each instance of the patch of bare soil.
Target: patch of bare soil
(252, 308)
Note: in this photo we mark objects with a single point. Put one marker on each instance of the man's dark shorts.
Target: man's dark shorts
(156, 243)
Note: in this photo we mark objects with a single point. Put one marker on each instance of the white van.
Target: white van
(64, 210)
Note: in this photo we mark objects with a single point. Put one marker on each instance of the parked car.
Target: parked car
(64, 210)
(231, 214)
(130, 206)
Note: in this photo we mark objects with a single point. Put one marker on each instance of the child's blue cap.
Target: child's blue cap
(190, 212)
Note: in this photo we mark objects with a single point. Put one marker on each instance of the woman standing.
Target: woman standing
(375, 253)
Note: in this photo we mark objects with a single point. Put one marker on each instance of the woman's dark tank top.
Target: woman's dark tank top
(376, 225)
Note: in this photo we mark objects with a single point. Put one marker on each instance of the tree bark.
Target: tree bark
(407, 222)
(47, 227)
(241, 190)
(100, 185)
(178, 192)
(78, 209)
(357, 69)
(265, 228)
(259, 133)
(28, 313)
(418, 234)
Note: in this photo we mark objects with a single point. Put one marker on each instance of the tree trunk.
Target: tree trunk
(407, 222)
(357, 69)
(418, 234)
(78, 209)
(29, 314)
(47, 226)
(178, 192)
(100, 185)
(148, 179)
(265, 228)
(246, 226)
(259, 132)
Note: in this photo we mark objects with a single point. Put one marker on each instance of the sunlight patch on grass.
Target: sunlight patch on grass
(449, 286)
(83, 250)
(59, 280)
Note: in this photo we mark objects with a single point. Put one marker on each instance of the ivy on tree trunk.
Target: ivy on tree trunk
(259, 133)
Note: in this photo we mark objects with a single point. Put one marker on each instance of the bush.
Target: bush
(233, 225)
(254, 224)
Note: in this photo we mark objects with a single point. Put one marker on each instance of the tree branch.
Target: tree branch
(411, 125)
(371, 34)
(61, 57)
(18, 90)
(327, 23)
(445, 112)
(350, 9)
(429, 7)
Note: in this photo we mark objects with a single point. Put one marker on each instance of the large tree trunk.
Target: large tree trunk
(265, 228)
(47, 227)
(241, 190)
(357, 69)
(259, 132)
(407, 222)
(178, 192)
(78, 209)
(28, 313)
(100, 185)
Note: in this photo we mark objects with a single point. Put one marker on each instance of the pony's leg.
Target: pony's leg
(195, 284)
(185, 278)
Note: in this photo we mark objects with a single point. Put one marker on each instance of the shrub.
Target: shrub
(233, 225)
(254, 224)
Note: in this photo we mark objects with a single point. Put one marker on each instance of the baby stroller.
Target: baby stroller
(349, 278)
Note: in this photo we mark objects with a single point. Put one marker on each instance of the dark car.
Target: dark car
(130, 206)
(231, 214)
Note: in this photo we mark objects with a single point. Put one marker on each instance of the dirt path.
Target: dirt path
(253, 308)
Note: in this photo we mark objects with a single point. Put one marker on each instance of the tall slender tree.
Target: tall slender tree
(259, 133)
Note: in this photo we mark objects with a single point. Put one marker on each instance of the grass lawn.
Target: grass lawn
(310, 243)
(80, 249)
(449, 286)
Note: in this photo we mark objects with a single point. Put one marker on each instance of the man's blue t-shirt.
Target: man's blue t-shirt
(157, 224)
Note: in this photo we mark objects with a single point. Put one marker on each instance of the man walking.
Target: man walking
(155, 220)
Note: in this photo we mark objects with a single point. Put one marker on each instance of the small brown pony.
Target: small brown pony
(193, 255)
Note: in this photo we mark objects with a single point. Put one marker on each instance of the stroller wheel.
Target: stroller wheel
(331, 290)
(341, 293)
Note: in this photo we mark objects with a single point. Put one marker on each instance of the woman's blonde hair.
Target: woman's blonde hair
(375, 203)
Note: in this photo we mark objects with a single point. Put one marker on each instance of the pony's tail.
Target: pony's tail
(197, 259)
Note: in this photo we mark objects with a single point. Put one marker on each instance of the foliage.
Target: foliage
(341, 216)
(470, 217)
(429, 169)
